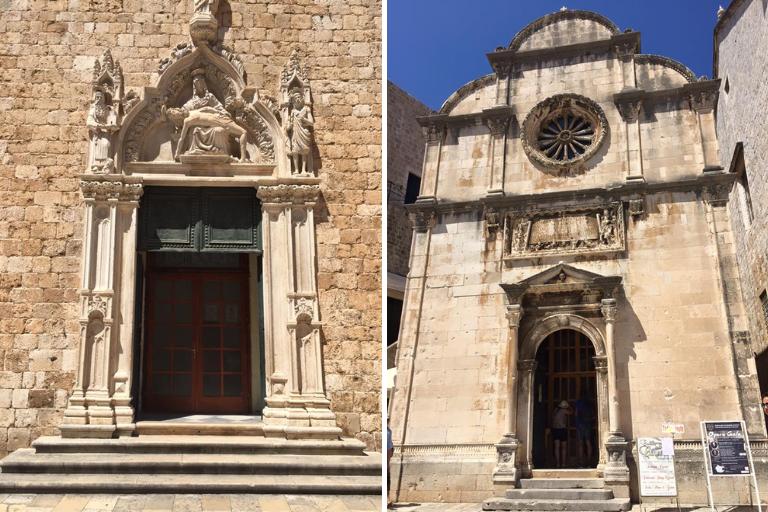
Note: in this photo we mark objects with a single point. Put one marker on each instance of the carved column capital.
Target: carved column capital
(116, 190)
(514, 314)
(625, 50)
(527, 365)
(703, 101)
(423, 220)
(601, 364)
(608, 308)
(288, 194)
(497, 125)
(629, 109)
(492, 223)
(434, 133)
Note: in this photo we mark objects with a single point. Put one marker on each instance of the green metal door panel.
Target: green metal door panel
(169, 219)
(231, 220)
(200, 219)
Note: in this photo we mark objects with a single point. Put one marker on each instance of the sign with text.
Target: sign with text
(657, 466)
(726, 448)
(669, 427)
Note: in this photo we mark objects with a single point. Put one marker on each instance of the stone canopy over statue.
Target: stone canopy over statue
(206, 126)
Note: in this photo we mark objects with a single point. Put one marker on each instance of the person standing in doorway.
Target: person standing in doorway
(560, 432)
(584, 418)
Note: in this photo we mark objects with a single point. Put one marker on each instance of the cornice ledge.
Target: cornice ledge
(626, 190)
(503, 58)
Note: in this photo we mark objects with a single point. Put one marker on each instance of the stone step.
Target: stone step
(565, 473)
(190, 484)
(560, 494)
(28, 461)
(612, 505)
(562, 483)
(200, 444)
(167, 427)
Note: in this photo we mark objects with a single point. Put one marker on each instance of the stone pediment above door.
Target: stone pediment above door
(562, 285)
(202, 117)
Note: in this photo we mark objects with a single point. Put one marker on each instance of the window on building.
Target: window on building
(764, 302)
(412, 188)
(727, 86)
(394, 310)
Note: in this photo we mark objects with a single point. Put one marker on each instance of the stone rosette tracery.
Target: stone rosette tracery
(572, 114)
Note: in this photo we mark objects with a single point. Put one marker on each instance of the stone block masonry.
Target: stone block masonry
(47, 50)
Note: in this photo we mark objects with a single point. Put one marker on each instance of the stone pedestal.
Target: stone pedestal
(506, 474)
(616, 472)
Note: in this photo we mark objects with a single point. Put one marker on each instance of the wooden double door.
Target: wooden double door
(197, 339)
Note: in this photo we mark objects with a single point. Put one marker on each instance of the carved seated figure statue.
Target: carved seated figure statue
(209, 123)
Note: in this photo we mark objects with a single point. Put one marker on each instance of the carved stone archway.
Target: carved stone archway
(202, 124)
(561, 297)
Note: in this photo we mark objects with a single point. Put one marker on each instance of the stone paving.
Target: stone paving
(186, 503)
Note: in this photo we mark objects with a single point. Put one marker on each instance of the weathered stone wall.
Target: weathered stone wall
(405, 155)
(47, 49)
(742, 57)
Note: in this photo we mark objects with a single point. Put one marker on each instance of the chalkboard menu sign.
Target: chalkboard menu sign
(725, 448)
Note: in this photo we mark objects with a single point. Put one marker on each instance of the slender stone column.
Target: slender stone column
(630, 112)
(506, 466)
(703, 104)
(526, 368)
(616, 472)
(601, 368)
(497, 123)
(435, 135)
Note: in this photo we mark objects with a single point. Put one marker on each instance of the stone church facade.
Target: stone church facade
(190, 217)
(573, 242)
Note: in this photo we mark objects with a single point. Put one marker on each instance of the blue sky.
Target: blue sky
(436, 46)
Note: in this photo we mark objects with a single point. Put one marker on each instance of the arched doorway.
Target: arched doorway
(565, 371)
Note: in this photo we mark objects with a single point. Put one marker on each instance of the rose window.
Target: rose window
(563, 132)
(566, 137)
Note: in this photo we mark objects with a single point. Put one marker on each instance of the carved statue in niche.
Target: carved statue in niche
(209, 122)
(299, 123)
(102, 123)
(605, 226)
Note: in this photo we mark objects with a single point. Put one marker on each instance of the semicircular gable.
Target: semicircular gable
(655, 72)
(465, 91)
(563, 28)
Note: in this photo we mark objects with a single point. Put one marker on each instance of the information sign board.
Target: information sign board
(657, 467)
(726, 448)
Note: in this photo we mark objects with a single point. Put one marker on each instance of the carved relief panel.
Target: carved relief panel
(563, 231)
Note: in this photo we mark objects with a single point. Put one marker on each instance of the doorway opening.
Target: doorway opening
(197, 354)
(565, 403)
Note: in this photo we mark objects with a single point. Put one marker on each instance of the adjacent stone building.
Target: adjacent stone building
(189, 222)
(405, 154)
(743, 134)
(573, 242)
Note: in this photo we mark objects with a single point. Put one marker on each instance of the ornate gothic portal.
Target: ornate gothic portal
(240, 165)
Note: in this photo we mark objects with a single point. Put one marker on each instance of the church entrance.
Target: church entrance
(565, 403)
(197, 343)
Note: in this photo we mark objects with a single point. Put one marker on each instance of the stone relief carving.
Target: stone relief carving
(304, 307)
(105, 190)
(703, 101)
(296, 113)
(630, 110)
(563, 132)
(206, 126)
(105, 113)
(203, 28)
(181, 50)
(572, 230)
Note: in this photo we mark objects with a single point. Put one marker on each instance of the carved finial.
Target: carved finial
(720, 12)
(563, 9)
(293, 71)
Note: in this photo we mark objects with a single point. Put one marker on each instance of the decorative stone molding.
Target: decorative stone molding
(569, 14)
(465, 90)
(563, 132)
(181, 50)
(304, 308)
(666, 62)
(296, 194)
(492, 223)
(570, 230)
(102, 190)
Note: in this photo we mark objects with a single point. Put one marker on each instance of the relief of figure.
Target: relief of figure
(605, 227)
(210, 123)
(299, 123)
(206, 6)
(102, 122)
